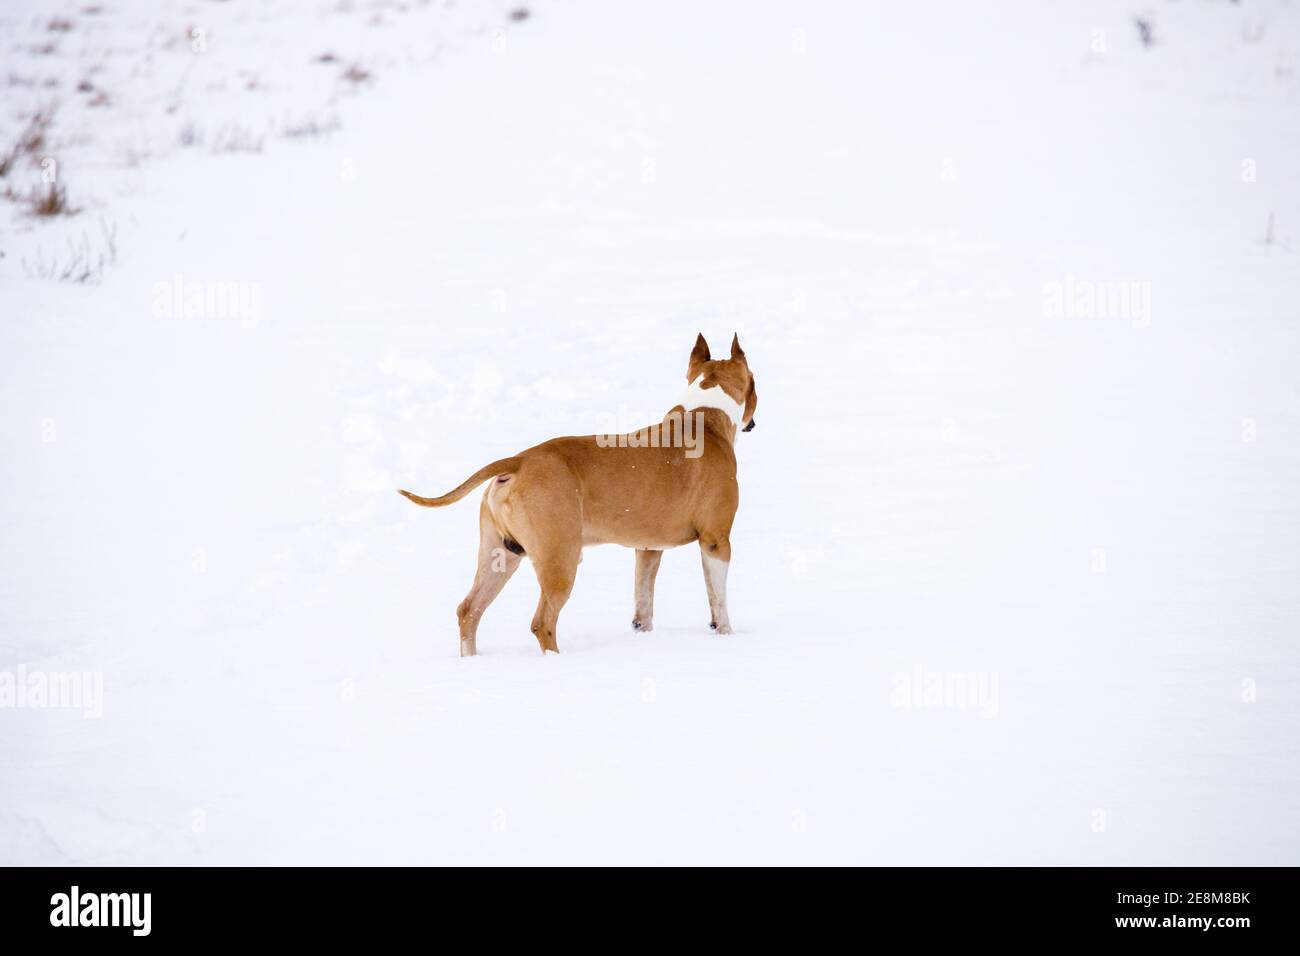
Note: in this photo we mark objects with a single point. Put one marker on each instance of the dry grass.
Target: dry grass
(356, 73)
(1146, 31)
(85, 260)
(50, 201)
(237, 139)
(30, 140)
(310, 126)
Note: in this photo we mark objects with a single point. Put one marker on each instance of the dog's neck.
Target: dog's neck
(696, 398)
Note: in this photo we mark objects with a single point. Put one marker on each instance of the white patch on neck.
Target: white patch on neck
(715, 397)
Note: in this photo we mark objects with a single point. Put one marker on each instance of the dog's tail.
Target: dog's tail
(506, 466)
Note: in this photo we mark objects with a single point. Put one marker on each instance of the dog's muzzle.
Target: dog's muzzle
(749, 427)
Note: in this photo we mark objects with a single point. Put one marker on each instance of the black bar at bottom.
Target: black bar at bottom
(364, 905)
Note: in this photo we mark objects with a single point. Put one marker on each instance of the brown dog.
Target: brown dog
(660, 487)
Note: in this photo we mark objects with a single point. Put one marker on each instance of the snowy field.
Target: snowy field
(1015, 569)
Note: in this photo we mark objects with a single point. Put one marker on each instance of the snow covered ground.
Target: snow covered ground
(1015, 574)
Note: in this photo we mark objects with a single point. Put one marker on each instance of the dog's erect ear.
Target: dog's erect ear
(699, 355)
(736, 351)
(701, 351)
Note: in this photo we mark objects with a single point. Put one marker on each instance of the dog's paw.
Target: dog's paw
(639, 625)
(723, 629)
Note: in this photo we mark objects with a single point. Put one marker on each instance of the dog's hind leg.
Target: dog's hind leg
(647, 566)
(496, 563)
(715, 555)
(555, 574)
(544, 514)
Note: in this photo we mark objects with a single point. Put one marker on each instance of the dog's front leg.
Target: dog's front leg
(715, 554)
(647, 566)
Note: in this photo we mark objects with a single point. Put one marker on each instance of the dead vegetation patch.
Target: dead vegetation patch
(84, 261)
(30, 140)
(237, 139)
(358, 74)
(52, 200)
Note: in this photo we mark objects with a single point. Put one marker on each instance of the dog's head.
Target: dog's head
(732, 375)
